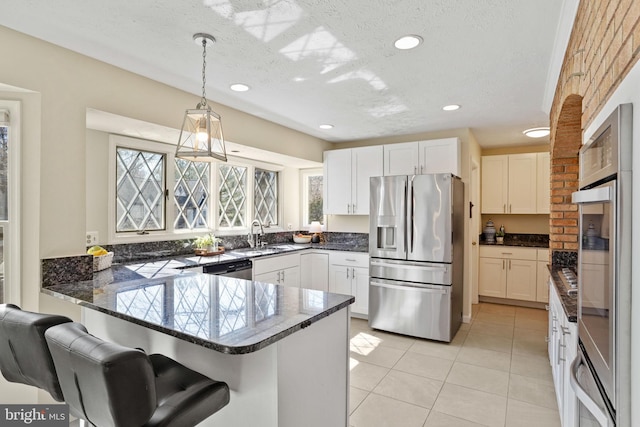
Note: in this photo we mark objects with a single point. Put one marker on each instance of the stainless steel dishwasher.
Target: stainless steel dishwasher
(240, 269)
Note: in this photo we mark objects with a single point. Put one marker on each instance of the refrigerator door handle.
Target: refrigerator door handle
(406, 267)
(412, 215)
(401, 287)
(583, 396)
(406, 245)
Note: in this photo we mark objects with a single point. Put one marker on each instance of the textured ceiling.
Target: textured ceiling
(329, 61)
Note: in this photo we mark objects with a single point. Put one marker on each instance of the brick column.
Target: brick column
(565, 144)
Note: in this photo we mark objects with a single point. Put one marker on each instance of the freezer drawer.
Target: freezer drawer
(410, 271)
(422, 311)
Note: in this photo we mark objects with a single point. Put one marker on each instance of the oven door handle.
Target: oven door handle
(582, 395)
(598, 194)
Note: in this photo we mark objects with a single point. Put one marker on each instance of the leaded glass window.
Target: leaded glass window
(191, 194)
(140, 190)
(265, 197)
(232, 200)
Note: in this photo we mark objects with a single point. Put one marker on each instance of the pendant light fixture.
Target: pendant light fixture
(201, 135)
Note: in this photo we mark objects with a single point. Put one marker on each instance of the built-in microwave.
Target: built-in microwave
(604, 272)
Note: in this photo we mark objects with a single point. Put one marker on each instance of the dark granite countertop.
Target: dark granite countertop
(224, 314)
(524, 240)
(569, 302)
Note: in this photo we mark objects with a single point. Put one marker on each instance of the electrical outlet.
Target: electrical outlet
(289, 227)
(92, 238)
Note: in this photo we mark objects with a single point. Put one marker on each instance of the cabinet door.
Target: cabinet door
(401, 159)
(440, 156)
(495, 173)
(521, 279)
(270, 277)
(314, 271)
(290, 277)
(340, 279)
(360, 289)
(337, 182)
(522, 197)
(543, 183)
(492, 277)
(542, 279)
(365, 163)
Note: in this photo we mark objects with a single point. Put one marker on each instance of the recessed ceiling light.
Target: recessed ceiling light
(239, 87)
(452, 107)
(326, 126)
(536, 132)
(407, 42)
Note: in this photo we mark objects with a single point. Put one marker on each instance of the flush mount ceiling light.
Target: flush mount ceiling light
(536, 132)
(452, 107)
(326, 126)
(239, 87)
(201, 134)
(407, 42)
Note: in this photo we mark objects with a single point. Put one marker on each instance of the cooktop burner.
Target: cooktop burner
(570, 280)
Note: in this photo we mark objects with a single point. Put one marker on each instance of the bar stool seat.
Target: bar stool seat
(107, 384)
(24, 354)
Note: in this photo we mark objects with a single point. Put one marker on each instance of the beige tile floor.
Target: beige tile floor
(494, 373)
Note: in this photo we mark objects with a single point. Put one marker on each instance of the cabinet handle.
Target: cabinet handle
(504, 208)
(421, 169)
(347, 273)
(565, 330)
(509, 207)
(353, 208)
(507, 253)
(415, 170)
(283, 275)
(509, 264)
(348, 208)
(350, 259)
(503, 264)
(279, 276)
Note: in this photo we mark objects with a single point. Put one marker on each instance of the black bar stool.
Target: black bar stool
(107, 384)
(24, 354)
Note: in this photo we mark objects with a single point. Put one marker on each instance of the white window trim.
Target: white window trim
(251, 165)
(12, 273)
(304, 196)
(170, 233)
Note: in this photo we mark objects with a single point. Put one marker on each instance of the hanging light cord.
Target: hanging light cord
(203, 101)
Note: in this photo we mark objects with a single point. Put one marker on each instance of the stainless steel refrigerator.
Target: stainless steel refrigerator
(416, 240)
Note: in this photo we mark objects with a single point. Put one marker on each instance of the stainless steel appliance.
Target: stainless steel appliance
(240, 269)
(416, 255)
(600, 375)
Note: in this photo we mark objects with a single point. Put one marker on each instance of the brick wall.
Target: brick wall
(604, 45)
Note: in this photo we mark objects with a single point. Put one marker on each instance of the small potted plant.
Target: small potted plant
(500, 236)
(207, 243)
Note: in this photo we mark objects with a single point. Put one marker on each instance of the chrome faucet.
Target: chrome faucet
(254, 239)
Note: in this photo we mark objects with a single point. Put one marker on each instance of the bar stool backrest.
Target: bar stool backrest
(103, 383)
(24, 355)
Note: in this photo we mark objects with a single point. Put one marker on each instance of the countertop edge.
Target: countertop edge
(569, 303)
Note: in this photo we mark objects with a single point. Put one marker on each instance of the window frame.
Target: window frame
(304, 195)
(170, 233)
(251, 165)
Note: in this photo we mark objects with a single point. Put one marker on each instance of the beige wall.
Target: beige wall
(59, 86)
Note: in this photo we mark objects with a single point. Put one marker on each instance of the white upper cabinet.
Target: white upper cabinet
(422, 157)
(510, 184)
(544, 182)
(346, 179)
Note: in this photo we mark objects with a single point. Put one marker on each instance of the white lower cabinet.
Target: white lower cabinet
(563, 348)
(349, 275)
(508, 272)
(542, 287)
(314, 270)
(280, 269)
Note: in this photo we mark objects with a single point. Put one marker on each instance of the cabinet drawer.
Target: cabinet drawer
(351, 259)
(273, 263)
(543, 255)
(508, 252)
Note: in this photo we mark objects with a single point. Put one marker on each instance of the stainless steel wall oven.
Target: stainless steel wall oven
(600, 374)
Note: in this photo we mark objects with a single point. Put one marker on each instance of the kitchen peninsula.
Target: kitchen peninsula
(283, 351)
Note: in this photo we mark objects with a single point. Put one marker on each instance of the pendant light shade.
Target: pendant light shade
(201, 137)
